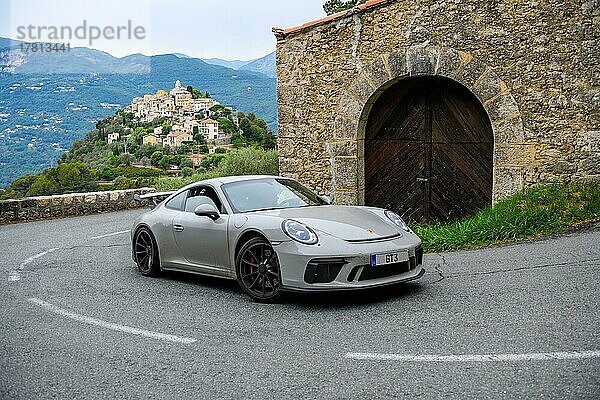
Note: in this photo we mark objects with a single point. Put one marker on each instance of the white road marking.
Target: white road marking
(15, 274)
(109, 234)
(109, 325)
(561, 355)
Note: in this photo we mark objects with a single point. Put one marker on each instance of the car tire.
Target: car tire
(258, 271)
(145, 252)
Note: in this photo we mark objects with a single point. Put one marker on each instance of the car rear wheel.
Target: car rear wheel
(146, 252)
(258, 271)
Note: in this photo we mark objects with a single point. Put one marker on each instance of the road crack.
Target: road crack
(438, 269)
(500, 271)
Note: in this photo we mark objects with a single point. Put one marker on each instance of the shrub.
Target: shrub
(249, 161)
(187, 171)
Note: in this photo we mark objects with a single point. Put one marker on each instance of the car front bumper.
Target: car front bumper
(348, 264)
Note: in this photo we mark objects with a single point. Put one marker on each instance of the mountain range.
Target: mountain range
(49, 99)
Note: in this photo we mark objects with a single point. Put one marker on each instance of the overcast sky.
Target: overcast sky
(229, 29)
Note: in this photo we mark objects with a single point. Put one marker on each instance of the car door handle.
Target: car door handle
(178, 228)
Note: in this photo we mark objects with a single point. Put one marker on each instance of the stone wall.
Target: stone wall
(69, 205)
(534, 65)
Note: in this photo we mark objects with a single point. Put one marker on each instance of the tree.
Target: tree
(66, 178)
(187, 171)
(199, 139)
(126, 159)
(166, 129)
(334, 6)
(203, 149)
(156, 157)
(227, 126)
(268, 142)
(22, 184)
(186, 163)
(164, 162)
(107, 173)
(237, 140)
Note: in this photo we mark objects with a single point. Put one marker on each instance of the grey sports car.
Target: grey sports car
(273, 235)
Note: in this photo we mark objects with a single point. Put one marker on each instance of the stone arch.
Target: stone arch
(346, 150)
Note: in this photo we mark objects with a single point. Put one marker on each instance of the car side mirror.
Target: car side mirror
(326, 199)
(207, 210)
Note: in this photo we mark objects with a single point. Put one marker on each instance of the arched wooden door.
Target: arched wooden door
(428, 150)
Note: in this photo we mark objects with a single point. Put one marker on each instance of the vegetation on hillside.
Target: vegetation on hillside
(94, 164)
(245, 161)
(541, 210)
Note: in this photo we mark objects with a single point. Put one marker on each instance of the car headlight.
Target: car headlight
(395, 218)
(299, 232)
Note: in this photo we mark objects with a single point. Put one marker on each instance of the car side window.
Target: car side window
(177, 202)
(204, 195)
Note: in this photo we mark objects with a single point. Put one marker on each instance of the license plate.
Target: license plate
(389, 258)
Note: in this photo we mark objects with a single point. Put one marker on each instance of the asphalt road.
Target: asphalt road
(69, 320)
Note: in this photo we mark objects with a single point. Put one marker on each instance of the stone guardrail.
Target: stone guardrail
(69, 205)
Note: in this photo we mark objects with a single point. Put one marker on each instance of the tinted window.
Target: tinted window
(177, 202)
(203, 195)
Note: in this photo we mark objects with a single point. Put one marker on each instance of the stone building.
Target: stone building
(437, 108)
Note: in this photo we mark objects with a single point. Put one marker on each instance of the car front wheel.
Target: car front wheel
(258, 271)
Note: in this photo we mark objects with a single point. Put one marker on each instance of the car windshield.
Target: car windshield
(268, 194)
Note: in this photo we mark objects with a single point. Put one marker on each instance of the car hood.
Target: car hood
(344, 222)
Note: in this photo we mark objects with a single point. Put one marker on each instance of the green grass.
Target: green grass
(541, 210)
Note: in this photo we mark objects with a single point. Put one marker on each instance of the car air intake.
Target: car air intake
(323, 270)
(384, 271)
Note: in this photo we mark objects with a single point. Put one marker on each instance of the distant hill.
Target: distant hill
(49, 100)
(264, 65)
(234, 64)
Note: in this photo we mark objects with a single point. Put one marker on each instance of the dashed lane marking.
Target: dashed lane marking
(15, 274)
(109, 325)
(561, 355)
(110, 234)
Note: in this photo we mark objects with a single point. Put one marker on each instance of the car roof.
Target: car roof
(229, 179)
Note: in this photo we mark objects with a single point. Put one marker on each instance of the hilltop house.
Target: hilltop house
(209, 128)
(204, 105)
(112, 137)
(152, 138)
(175, 139)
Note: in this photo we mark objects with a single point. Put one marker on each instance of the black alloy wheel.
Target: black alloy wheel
(258, 271)
(146, 252)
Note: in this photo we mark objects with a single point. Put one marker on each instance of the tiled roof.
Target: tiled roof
(281, 33)
(209, 121)
(177, 134)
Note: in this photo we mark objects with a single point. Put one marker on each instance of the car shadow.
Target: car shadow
(340, 298)
(349, 298)
(226, 285)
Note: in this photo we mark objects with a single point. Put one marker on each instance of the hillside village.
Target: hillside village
(177, 133)
(189, 110)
